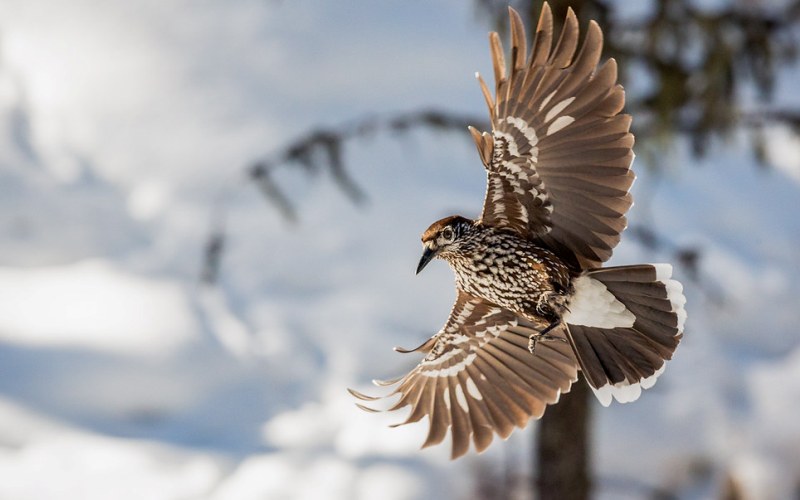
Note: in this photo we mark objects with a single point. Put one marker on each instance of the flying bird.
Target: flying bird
(534, 306)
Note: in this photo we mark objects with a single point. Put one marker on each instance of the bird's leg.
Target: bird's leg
(544, 336)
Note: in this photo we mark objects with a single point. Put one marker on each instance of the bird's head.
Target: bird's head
(444, 236)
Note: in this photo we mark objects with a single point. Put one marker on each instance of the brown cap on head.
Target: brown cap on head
(437, 226)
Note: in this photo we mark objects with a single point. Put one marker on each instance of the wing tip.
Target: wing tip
(367, 408)
(545, 18)
(386, 383)
(512, 12)
(361, 395)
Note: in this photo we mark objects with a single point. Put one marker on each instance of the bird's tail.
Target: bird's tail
(623, 324)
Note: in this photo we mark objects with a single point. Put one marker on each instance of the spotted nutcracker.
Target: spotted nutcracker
(534, 306)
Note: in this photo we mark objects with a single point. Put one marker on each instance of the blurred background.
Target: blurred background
(210, 220)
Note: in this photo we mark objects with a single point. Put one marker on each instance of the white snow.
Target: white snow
(782, 149)
(125, 129)
(93, 304)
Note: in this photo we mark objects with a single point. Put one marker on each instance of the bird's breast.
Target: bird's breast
(514, 274)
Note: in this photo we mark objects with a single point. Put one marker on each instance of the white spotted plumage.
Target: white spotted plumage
(558, 160)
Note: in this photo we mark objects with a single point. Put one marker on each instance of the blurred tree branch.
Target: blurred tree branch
(323, 149)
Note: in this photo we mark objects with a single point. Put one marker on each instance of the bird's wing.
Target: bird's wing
(478, 377)
(559, 154)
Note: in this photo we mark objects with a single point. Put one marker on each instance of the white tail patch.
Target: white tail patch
(593, 305)
(627, 391)
(674, 292)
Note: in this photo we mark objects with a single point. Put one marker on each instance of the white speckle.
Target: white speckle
(513, 150)
(461, 399)
(465, 312)
(547, 99)
(453, 370)
(446, 397)
(558, 108)
(561, 122)
(472, 389)
(498, 190)
(593, 305)
(527, 130)
(514, 168)
(440, 359)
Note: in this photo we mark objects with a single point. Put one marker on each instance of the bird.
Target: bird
(535, 308)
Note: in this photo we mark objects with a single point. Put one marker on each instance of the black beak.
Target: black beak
(427, 256)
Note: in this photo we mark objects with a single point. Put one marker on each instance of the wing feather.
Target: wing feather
(479, 379)
(557, 132)
(543, 39)
(461, 427)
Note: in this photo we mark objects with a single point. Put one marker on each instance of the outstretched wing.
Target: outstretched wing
(478, 377)
(559, 155)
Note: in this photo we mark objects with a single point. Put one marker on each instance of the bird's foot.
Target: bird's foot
(544, 336)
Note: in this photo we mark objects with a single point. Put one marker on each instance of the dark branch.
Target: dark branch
(323, 150)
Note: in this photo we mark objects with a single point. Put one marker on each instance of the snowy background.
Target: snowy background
(125, 130)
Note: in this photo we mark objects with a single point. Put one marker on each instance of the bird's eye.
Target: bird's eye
(448, 234)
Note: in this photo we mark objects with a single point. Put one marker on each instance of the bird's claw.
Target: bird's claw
(542, 337)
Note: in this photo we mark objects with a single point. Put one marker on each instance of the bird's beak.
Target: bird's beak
(427, 256)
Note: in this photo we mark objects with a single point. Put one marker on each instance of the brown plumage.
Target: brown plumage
(533, 305)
